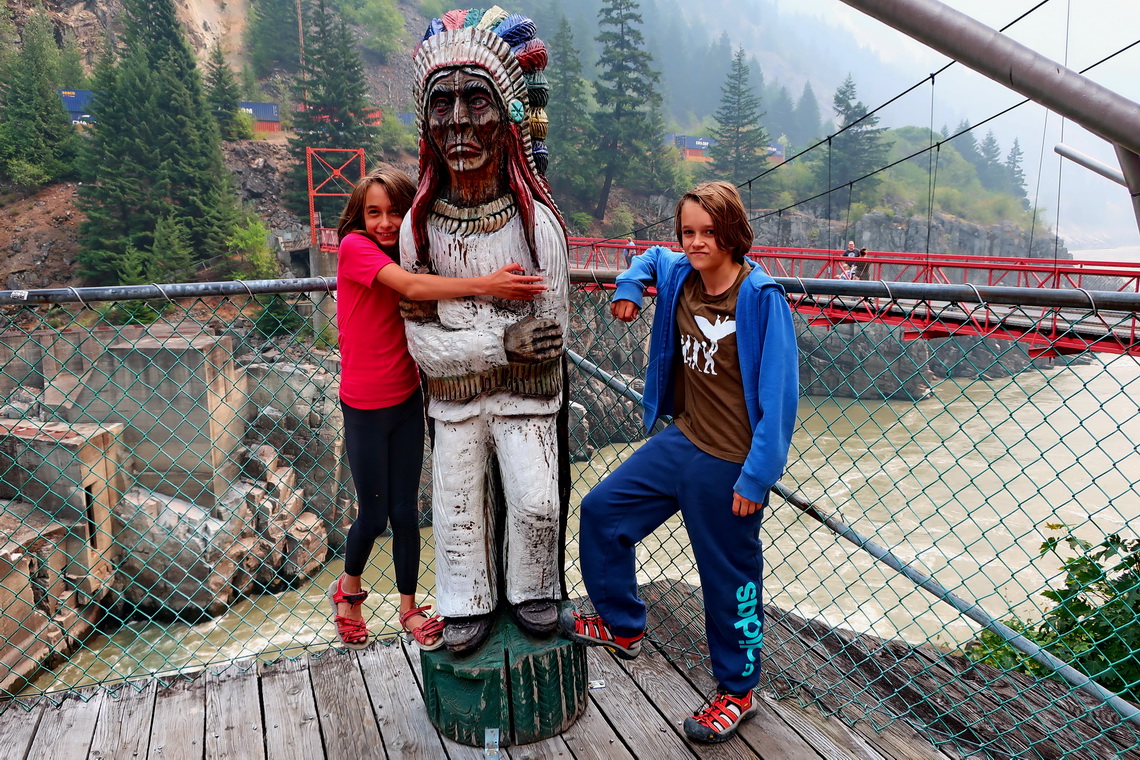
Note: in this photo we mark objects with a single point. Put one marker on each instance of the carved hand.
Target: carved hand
(532, 340)
(419, 311)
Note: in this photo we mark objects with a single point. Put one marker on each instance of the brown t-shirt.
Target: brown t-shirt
(709, 397)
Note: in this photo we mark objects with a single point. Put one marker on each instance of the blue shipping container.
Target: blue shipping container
(78, 105)
(687, 142)
(261, 111)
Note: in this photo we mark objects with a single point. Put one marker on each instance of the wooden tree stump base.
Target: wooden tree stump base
(529, 689)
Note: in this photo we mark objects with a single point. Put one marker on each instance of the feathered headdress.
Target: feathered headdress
(503, 44)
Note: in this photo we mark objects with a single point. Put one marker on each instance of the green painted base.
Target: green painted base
(529, 689)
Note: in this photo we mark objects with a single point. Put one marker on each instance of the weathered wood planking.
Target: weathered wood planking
(645, 731)
(397, 703)
(593, 738)
(233, 714)
(370, 705)
(124, 723)
(179, 728)
(292, 726)
(17, 729)
(347, 723)
(66, 731)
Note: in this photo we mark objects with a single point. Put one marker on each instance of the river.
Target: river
(964, 485)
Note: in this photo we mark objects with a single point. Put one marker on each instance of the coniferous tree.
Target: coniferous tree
(154, 150)
(72, 73)
(37, 140)
(991, 171)
(1015, 174)
(780, 119)
(222, 96)
(171, 259)
(628, 120)
(272, 36)
(570, 138)
(852, 154)
(807, 128)
(332, 105)
(966, 145)
(9, 51)
(741, 150)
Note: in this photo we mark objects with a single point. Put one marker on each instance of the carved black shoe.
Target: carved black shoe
(538, 616)
(464, 635)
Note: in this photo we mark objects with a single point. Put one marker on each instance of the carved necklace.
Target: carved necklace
(486, 218)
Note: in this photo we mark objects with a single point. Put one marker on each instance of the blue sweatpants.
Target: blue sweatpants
(666, 474)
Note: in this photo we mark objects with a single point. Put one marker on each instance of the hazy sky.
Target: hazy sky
(1076, 33)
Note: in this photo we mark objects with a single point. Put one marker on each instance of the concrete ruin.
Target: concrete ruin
(58, 550)
(142, 476)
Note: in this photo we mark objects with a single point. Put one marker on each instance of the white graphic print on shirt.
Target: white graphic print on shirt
(693, 350)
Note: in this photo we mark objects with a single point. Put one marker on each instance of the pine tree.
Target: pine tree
(272, 36)
(9, 51)
(966, 145)
(991, 171)
(780, 119)
(852, 154)
(222, 96)
(571, 136)
(333, 110)
(72, 73)
(807, 127)
(628, 120)
(37, 140)
(171, 258)
(741, 150)
(154, 150)
(1015, 174)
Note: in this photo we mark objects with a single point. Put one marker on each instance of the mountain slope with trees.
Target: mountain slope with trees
(623, 74)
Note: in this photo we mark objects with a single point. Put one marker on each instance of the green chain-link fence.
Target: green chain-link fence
(176, 495)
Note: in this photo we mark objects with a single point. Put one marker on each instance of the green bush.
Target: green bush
(1093, 621)
(278, 317)
(393, 135)
(579, 222)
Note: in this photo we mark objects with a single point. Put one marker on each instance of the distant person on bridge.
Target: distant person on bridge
(732, 393)
(380, 394)
(859, 269)
(847, 272)
(630, 252)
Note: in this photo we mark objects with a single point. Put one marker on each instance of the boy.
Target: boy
(732, 391)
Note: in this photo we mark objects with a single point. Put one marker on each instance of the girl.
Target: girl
(380, 394)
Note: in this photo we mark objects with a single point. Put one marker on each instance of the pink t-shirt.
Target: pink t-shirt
(376, 370)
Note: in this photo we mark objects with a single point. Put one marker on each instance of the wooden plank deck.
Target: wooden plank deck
(349, 705)
(369, 704)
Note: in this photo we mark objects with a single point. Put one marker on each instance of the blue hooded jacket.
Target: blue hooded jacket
(766, 345)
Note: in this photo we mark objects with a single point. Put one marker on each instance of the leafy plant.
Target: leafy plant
(278, 317)
(1093, 623)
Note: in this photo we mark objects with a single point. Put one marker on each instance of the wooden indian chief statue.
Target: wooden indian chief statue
(495, 369)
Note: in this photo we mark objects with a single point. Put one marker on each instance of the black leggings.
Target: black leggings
(385, 450)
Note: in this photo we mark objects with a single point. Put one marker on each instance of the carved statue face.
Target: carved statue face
(465, 124)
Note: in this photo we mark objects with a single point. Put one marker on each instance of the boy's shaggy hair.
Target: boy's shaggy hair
(722, 202)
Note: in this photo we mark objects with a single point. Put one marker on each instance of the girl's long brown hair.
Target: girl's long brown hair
(400, 188)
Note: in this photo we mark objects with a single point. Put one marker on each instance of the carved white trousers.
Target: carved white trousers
(466, 560)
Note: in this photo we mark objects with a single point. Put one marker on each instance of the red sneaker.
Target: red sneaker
(718, 720)
(593, 631)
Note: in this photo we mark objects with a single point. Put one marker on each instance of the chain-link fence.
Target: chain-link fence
(176, 495)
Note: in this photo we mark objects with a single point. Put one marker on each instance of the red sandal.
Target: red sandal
(353, 633)
(433, 626)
